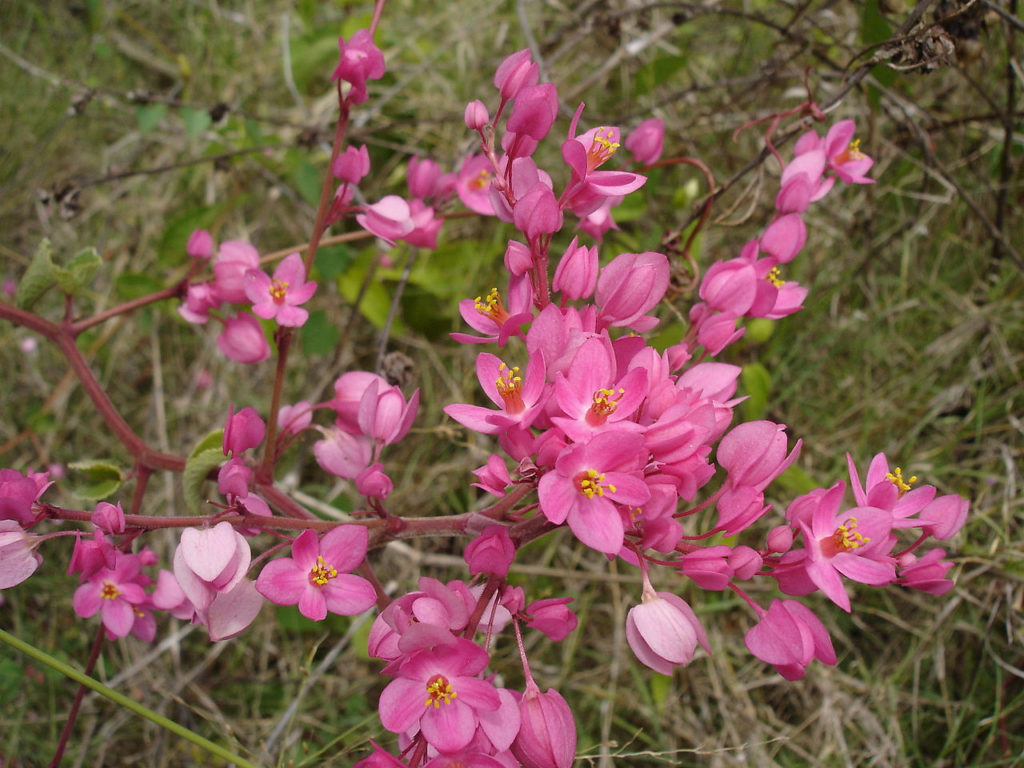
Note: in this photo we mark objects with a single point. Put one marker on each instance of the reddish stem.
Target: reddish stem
(65, 733)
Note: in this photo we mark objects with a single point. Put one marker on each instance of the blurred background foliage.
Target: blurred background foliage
(125, 124)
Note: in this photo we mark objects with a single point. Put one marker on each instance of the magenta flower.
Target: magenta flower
(200, 244)
(552, 617)
(488, 314)
(789, 636)
(547, 731)
(242, 339)
(279, 298)
(491, 552)
(629, 287)
(243, 430)
(352, 164)
(514, 73)
(519, 398)
(439, 691)
(360, 60)
(316, 577)
(645, 141)
(17, 493)
(114, 593)
(589, 480)
(493, 476)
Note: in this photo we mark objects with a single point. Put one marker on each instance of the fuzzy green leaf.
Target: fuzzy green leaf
(38, 277)
(102, 478)
(79, 272)
(197, 467)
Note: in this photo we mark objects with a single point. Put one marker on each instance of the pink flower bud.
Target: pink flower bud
(292, 419)
(352, 164)
(476, 115)
(342, 454)
(491, 552)
(360, 60)
(90, 555)
(576, 274)
(234, 259)
(493, 476)
(515, 72)
(384, 415)
(535, 110)
(199, 300)
(784, 237)
(518, 258)
(552, 617)
(422, 177)
(390, 218)
(645, 142)
(927, 574)
(373, 483)
(537, 212)
(233, 479)
(780, 539)
(789, 636)
(348, 391)
(210, 561)
(663, 631)
(108, 518)
(547, 731)
(242, 339)
(200, 244)
(944, 516)
(631, 285)
(243, 430)
(708, 567)
(745, 562)
(513, 599)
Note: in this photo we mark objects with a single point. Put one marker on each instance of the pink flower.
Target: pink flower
(576, 274)
(108, 517)
(844, 155)
(352, 164)
(390, 218)
(114, 593)
(361, 60)
(200, 298)
(422, 177)
(18, 558)
(534, 111)
(439, 691)
(927, 573)
(645, 141)
(663, 631)
(488, 315)
(789, 636)
(342, 454)
(784, 237)
(209, 562)
(279, 298)
(17, 493)
(493, 476)
(384, 415)
(629, 287)
(552, 617)
(348, 392)
(234, 259)
(474, 183)
(200, 244)
(292, 419)
(316, 577)
(589, 480)
(547, 731)
(491, 552)
(242, 339)
(514, 73)
(243, 430)
(476, 116)
(373, 483)
(519, 399)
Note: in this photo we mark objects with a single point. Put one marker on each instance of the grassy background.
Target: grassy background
(911, 343)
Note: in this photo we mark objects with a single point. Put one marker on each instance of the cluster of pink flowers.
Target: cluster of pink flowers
(239, 280)
(630, 447)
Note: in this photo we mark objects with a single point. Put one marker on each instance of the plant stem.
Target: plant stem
(69, 724)
(119, 698)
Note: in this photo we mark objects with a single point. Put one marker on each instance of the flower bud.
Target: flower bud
(422, 177)
(547, 731)
(515, 72)
(108, 518)
(576, 274)
(244, 430)
(373, 483)
(552, 617)
(476, 116)
(645, 142)
(663, 631)
(242, 339)
(200, 244)
(352, 164)
(491, 552)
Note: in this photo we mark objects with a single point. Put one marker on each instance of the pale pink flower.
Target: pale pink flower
(342, 454)
(114, 593)
(476, 116)
(645, 141)
(279, 298)
(210, 561)
(234, 259)
(663, 630)
(390, 218)
(547, 731)
(18, 558)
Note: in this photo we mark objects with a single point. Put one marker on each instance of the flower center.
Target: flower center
(602, 147)
(321, 572)
(491, 307)
(510, 387)
(278, 288)
(109, 591)
(589, 484)
(896, 478)
(439, 690)
(605, 403)
(773, 277)
(480, 181)
(852, 152)
(847, 537)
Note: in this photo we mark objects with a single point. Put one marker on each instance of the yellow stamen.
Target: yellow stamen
(896, 478)
(773, 277)
(439, 690)
(847, 537)
(278, 288)
(109, 591)
(321, 573)
(510, 386)
(491, 307)
(852, 152)
(606, 401)
(589, 484)
(601, 148)
(481, 180)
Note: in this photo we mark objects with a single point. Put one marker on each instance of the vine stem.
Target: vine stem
(69, 724)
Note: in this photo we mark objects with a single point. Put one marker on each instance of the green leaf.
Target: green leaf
(149, 116)
(38, 277)
(79, 272)
(331, 261)
(319, 336)
(308, 181)
(757, 384)
(796, 481)
(207, 454)
(196, 121)
(102, 478)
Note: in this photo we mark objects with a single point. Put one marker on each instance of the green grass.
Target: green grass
(911, 343)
